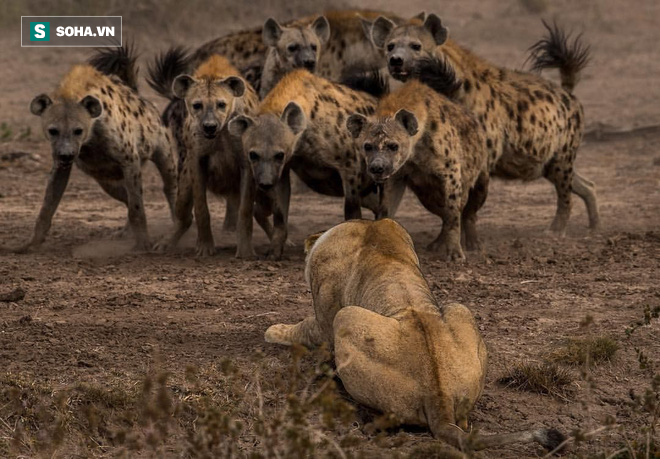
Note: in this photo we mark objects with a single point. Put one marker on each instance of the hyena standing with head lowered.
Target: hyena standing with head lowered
(434, 145)
(101, 124)
(532, 127)
(299, 126)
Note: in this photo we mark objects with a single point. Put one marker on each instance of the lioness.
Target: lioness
(396, 349)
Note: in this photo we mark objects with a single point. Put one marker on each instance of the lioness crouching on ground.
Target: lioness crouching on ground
(396, 349)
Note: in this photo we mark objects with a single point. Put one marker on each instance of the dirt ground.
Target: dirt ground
(96, 313)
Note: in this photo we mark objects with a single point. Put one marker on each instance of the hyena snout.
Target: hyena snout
(210, 128)
(65, 151)
(380, 169)
(396, 62)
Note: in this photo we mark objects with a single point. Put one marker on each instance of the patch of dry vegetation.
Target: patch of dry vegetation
(541, 378)
(589, 351)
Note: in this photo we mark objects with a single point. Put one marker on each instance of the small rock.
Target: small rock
(15, 295)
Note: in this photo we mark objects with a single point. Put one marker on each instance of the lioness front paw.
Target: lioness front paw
(278, 334)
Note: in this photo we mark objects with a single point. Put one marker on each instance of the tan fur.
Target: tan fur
(396, 349)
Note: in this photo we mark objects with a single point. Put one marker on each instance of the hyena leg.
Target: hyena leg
(136, 214)
(280, 204)
(262, 212)
(205, 243)
(164, 160)
(59, 177)
(560, 174)
(448, 242)
(586, 189)
(476, 200)
(394, 190)
(244, 247)
(117, 190)
(308, 333)
(231, 212)
(182, 210)
(352, 208)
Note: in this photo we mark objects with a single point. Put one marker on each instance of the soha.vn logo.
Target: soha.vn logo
(39, 31)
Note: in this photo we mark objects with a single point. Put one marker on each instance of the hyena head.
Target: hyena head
(386, 143)
(297, 47)
(209, 101)
(67, 124)
(406, 44)
(269, 142)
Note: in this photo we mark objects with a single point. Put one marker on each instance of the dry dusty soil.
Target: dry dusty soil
(98, 314)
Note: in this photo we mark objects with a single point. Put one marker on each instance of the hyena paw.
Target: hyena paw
(205, 249)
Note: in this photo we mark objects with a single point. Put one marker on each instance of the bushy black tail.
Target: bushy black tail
(557, 51)
(119, 61)
(439, 75)
(165, 68)
(372, 82)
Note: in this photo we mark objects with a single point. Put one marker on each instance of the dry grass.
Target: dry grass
(541, 378)
(252, 410)
(589, 351)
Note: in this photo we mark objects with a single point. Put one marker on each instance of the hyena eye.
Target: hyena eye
(253, 155)
(390, 47)
(314, 48)
(292, 48)
(279, 156)
(222, 105)
(368, 147)
(53, 132)
(77, 132)
(415, 46)
(197, 106)
(392, 147)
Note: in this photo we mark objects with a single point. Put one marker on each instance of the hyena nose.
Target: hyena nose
(266, 186)
(396, 61)
(309, 64)
(210, 128)
(377, 168)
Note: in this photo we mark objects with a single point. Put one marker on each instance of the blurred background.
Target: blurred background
(619, 89)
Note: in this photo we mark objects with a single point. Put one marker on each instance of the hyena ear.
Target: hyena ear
(239, 124)
(311, 240)
(235, 84)
(321, 28)
(39, 104)
(294, 117)
(366, 27)
(419, 17)
(92, 105)
(408, 120)
(434, 25)
(271, 33)
(380, 30)
(355, 123)
(181, 85)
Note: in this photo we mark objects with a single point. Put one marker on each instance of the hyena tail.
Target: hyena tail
(119, 61)
(558, 51)
(165, 68)
(439, 75)
(373, 82)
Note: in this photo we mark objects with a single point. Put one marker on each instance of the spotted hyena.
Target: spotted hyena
(99, 122)
(299, 126)
(436, 148)
(532, 127)
(212, 159)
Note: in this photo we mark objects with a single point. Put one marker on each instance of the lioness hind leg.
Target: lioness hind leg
(308, 333)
